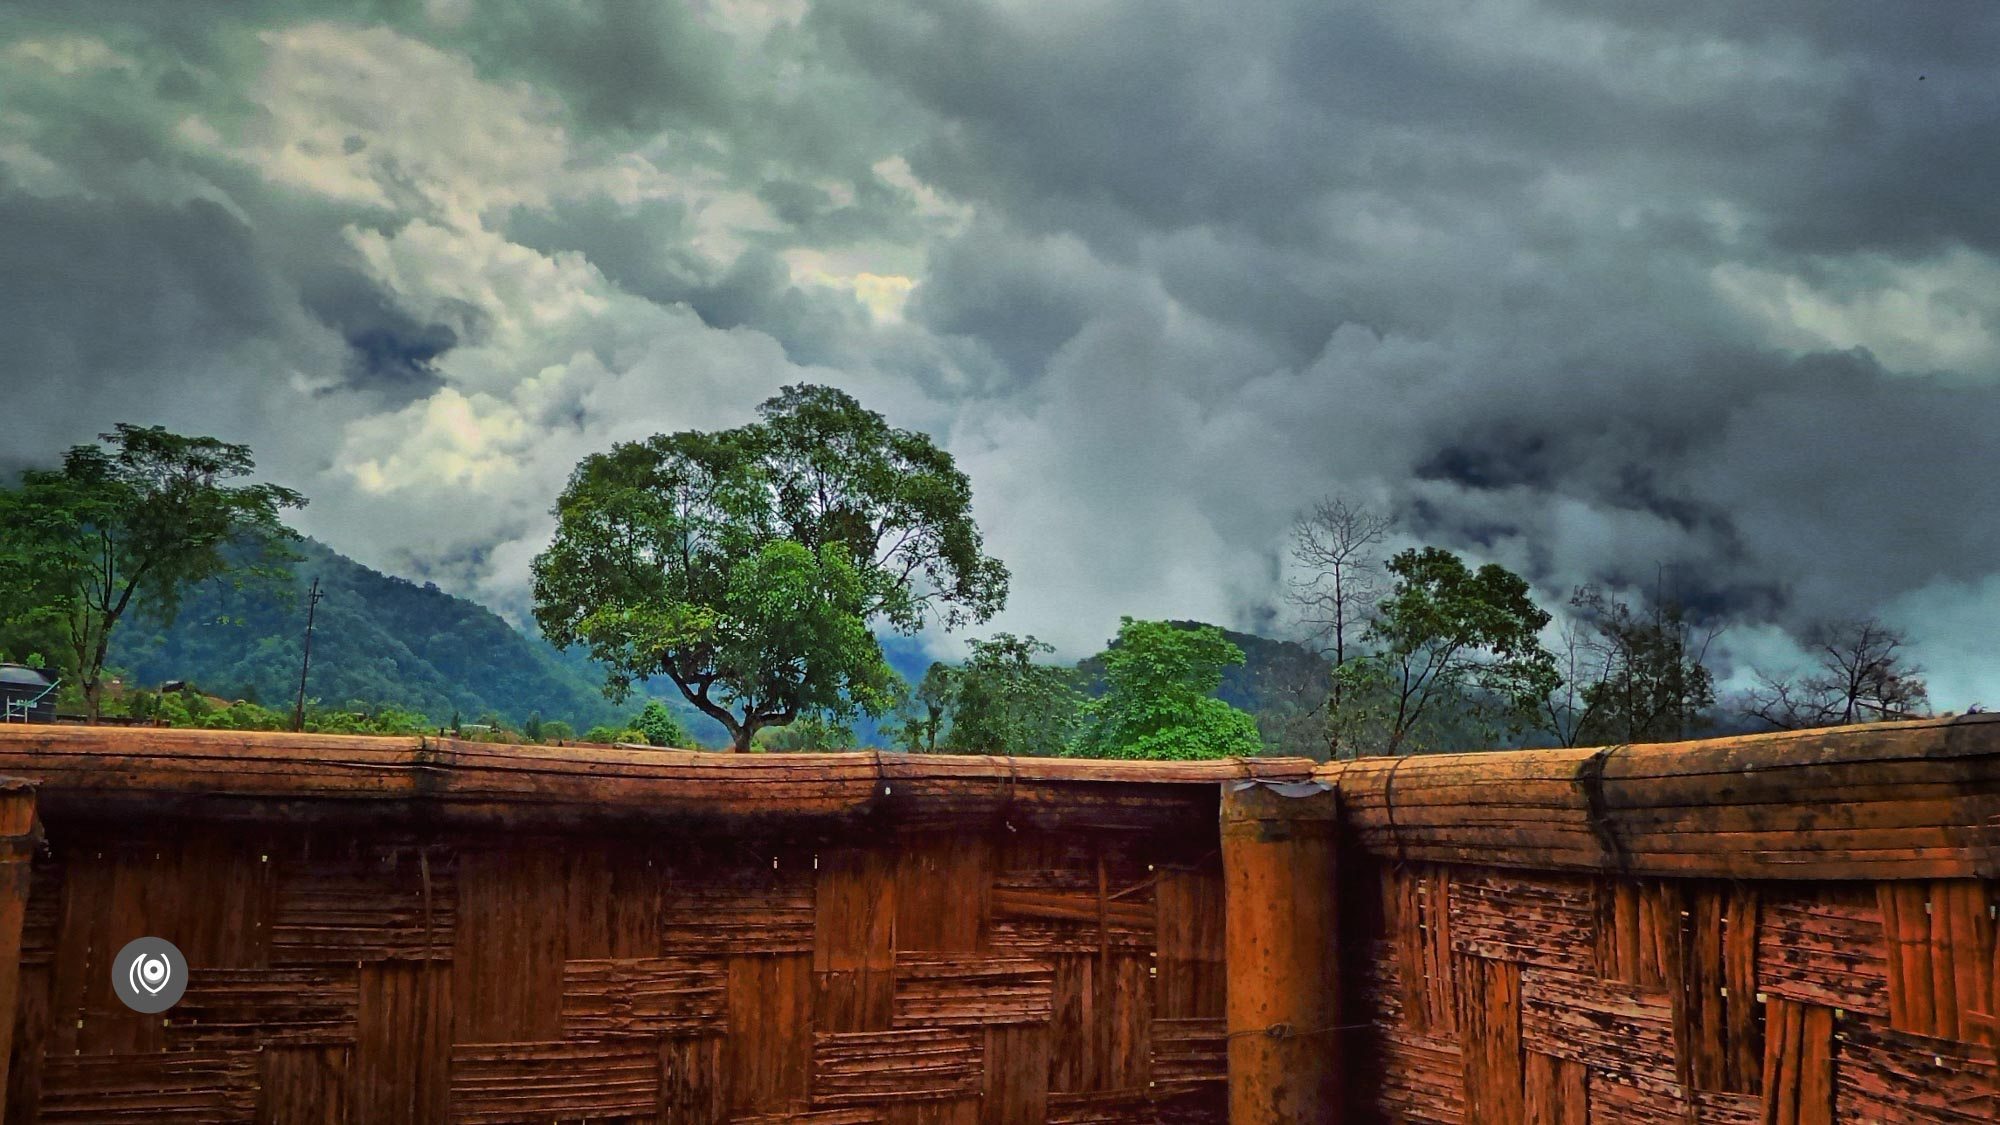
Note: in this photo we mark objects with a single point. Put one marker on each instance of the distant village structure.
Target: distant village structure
(27, 695)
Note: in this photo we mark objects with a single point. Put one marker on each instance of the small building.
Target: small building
(27, 695)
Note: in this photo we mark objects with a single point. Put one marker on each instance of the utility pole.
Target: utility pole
(305, 666)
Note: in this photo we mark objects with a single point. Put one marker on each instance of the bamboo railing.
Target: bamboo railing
(1792, 929)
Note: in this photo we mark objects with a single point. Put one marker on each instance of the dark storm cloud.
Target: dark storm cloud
(629, 66)
(1019, 299)
(390, 352)
(98, 297)
(1695, 288)
(1595, 361)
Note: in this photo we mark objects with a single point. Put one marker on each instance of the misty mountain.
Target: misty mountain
(381, 640)
(376, 639)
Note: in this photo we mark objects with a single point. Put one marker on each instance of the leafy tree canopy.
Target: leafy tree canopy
(1159, 697)
(815, 731)
(1449, 637)
(1651, 682)
(129, 524)
(1005, 701)
(923, 710)
(660, 726)
(747, 566)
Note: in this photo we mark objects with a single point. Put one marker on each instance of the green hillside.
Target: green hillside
(378, 639)
(381, 640)
(1282, 683)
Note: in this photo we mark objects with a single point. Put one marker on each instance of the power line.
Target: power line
(305, 666)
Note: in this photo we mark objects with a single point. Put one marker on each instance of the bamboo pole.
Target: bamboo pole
(294, 778)
(1279, 893)
(1901, 801)
(19, 834)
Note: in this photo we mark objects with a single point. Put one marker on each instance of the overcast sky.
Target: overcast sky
(1582, 288)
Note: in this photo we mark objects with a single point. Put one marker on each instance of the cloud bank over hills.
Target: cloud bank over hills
(1582, 291)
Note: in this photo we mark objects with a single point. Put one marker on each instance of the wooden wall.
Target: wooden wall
(1779, 930)
(1783, 930)
(1484, 995)
(934, 977)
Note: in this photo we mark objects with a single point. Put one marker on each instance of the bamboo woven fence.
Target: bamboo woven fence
(388, 930)
(1778, 929)
(1786, 929)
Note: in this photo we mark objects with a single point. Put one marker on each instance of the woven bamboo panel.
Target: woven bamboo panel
(243, 1008)
(1888, 1075)
(395, 905)
(1038, 922)
(192, 1087)
(1677, 1002)
(894, 1066)
(1727, 1109)
(765, 912)
(43, 915)
(1418, 911)
(650, 996)
(1422, 1078)
(960, 989)
(1941, 957)
(1605, 1025)
(859, 1115)
(1551, 922)
(1824, 948)
(1064, 893)
(1633, 1101)
(502, 1083)
(1189, 1054)
(530, 978)
(308, 1085)
(1103, 1107)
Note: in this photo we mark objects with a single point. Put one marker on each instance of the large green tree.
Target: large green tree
(749, 566)
(1007, 701)
(124, 527)
(1449, 643)
(1159, 699)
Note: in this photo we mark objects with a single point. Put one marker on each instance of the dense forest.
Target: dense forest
(771, 587)
(380, 641)
(377, 641)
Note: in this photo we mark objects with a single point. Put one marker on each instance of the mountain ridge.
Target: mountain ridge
(382, 640)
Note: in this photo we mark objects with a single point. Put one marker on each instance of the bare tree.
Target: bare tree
(1580, 661)
(1861, 674)
(1338, 547)
(1646, 677)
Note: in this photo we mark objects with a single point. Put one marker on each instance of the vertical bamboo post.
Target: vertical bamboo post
(1279, 895)
(19, 834)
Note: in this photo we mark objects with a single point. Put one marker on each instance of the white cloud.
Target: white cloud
(1951, 629)
(1934, 315)
(883, 294)
(369, 116)
(68, 55)
(1156, 277)
(952, 215)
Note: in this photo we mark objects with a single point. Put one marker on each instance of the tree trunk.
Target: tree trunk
(741, 742)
